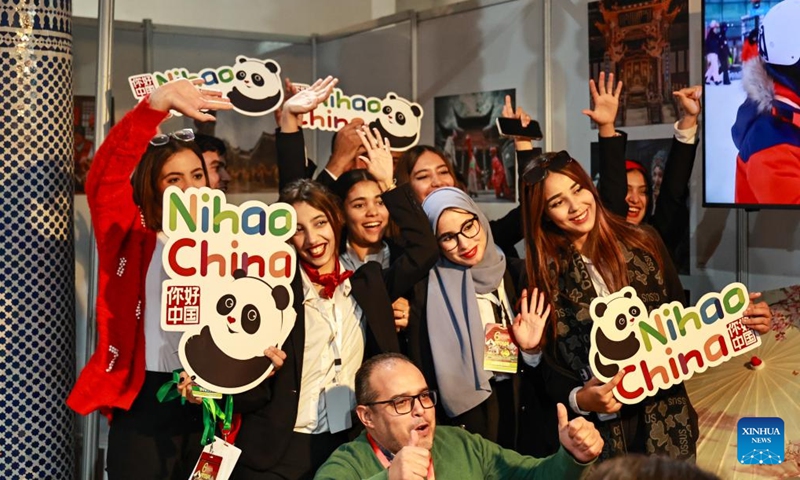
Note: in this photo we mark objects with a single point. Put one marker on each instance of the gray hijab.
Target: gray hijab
(454, 322)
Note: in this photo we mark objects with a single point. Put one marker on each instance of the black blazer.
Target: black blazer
(269, 411)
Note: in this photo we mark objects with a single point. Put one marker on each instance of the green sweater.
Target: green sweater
(457, 455)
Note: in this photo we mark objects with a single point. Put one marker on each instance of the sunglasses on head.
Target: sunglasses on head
(539, 169)
(184, 135)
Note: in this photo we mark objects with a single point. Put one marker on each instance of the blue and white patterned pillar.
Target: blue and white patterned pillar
(37, 291)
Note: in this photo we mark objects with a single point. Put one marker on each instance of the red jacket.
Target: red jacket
(115, 373)
(768, 163)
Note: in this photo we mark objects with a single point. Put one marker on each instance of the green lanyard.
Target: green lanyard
(211, 410)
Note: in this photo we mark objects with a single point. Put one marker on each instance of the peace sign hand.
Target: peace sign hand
(529, 324)
(379, 158)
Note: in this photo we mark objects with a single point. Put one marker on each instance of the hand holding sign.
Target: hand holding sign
(529, 324)
(277, 357)
(305, 101)
(379, 159)
(579, 436)
(596, 396)
(185, 97)
(758, 316)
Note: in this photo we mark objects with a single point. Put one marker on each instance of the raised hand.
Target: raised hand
(305, 101)
(520, 114)
(289, 89)
(689, 99)
(758, 316)
(606, 103)
(529, 324)
(578, 436)
(411, 462)
(596, 396)
(189, 98)
(378, 158)
(346, 148)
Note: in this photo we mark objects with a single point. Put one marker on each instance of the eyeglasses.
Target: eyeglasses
(405, 403)
(184, 135)
(538, 171)
(469, 229)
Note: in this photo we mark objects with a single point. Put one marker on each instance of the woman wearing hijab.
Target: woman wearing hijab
(471, 287)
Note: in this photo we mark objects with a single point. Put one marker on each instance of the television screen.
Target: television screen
(751, 52)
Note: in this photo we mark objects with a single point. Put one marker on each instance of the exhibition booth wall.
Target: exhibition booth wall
(485, 46)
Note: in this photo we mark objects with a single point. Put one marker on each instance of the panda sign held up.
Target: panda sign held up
(668, 345)
(229, 288)
(253, 85)
(396, 118)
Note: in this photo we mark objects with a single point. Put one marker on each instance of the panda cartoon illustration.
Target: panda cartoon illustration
(615, 330)
(399, 121)
(227, 355)
(256, 87)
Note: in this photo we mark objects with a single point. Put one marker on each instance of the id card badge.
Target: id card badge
(500, 354)
(216, 461)
(337, 403)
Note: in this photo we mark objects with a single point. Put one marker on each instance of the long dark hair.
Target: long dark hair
(146, 194)
(319, 197)
(545, 242)
(409, 158)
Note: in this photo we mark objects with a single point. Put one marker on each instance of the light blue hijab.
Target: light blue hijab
(454, 322)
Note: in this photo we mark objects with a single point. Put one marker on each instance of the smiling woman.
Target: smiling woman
(134, 357)
(471, 290)
(574, 245)
(343, 315)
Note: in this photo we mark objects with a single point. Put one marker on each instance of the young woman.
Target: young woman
(342, 317)
(577, 251)
(626, 187)
(425, 168)
(472, 286)
(365, 215)
(134, 357)
(573, 245)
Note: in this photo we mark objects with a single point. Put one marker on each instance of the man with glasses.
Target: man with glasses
(397, 410)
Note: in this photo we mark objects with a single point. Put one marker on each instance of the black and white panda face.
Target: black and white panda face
(619, 316)
(240, 315)
(257, 86)
(399, 121)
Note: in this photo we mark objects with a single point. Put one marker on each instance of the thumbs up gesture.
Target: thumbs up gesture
(411, 462)
(579, 437)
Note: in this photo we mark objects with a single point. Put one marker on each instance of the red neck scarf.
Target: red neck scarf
(329, 281)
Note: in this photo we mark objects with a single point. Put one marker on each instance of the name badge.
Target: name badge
(500, 353)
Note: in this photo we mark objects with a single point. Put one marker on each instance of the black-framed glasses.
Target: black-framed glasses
(405, 403)
(184, 135)
(538, 171)
(469, 229)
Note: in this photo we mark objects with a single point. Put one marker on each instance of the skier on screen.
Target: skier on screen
(767, 128)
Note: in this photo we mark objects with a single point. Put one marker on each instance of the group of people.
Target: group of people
(400, 275)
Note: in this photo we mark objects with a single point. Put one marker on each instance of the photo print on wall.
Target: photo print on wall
(645, 44)
(466, 131)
